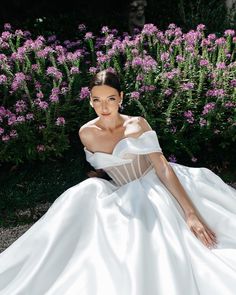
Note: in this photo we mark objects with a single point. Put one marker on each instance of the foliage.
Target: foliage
(183, 83)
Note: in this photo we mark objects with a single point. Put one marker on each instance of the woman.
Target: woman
(153, 228)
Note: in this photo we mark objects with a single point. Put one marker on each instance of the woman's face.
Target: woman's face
(105, 100)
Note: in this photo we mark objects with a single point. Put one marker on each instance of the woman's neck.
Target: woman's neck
(111, 124)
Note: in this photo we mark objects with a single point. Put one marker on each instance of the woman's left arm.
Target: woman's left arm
(168, 177)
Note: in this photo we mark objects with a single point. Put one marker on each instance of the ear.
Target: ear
(121, 95)
(90, 102)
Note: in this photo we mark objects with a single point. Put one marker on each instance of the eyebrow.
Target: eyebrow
(107, 96)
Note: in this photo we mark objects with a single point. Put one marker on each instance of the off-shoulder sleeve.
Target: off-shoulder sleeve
(146, 143)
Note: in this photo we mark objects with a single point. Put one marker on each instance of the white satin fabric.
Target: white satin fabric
(103, 238)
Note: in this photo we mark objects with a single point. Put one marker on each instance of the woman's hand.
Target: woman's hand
(201, 230)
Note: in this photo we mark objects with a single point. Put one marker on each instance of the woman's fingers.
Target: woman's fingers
(206, 236)
(211, 234)
(210, 241)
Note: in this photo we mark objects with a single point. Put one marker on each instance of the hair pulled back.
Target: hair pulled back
(106, 77)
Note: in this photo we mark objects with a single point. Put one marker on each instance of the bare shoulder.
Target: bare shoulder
(86, 133)
(140, 122)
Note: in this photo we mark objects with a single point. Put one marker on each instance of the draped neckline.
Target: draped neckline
(118, 143)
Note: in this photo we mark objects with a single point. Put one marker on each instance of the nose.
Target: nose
(104, 105)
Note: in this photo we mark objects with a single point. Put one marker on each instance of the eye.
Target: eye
(95, 99)
(112, 98)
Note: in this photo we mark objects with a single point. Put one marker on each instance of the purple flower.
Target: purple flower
(189, 115)
(135, 95)
(54, 97)
(220, 41)
(43, 105)
(137, 61)
(165, 56)
(204, 62)
(54, 72)
(88, 36)
(20, 106)
(140, 77)
(105, 30)
(216, 93)
(35, 67)
(41, 148)
(229, 33)
(74, 70)
(147, 88)
(64, 90)
(221, 65)
(7, 26)
(202, 122)
(44, 52)
(187, 86)
(40, 95)
(201, 27)
(180, 58)
(208, 107)
(3, 57)
(12, 120)
(172, 26)
(1, 130)
(52, 38)
(6, 36)
(92, 70)
(211, 37)
(13, 134)
(60, 121)
(29, 116)
(206, 42)
(3, 79)
(149, 63)
(20, 119)
(84, 93)
(172, 158)
(191, 38)
(149, 29)
(18, 81)
(233, 83)
(5, 138)
(168, 92)
(170, 75)
(230, 104)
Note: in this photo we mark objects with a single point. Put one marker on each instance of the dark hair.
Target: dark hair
(106, 77)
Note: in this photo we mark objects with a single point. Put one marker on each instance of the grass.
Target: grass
(28, 185)
(25, 186)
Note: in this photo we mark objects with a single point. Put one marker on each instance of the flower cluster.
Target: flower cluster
(182, 82)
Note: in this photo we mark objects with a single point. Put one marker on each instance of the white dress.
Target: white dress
(128, 235)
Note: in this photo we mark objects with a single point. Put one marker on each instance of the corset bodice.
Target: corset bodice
(129, 159)
(125, 173)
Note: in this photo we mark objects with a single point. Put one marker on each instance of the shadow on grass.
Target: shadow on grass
(27, 191)
(25, 187)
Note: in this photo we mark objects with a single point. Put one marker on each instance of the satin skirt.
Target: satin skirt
(101, 239)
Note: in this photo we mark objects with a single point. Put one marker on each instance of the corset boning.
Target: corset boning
(125, 173)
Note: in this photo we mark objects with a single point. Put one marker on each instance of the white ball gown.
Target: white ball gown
(128, 235)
